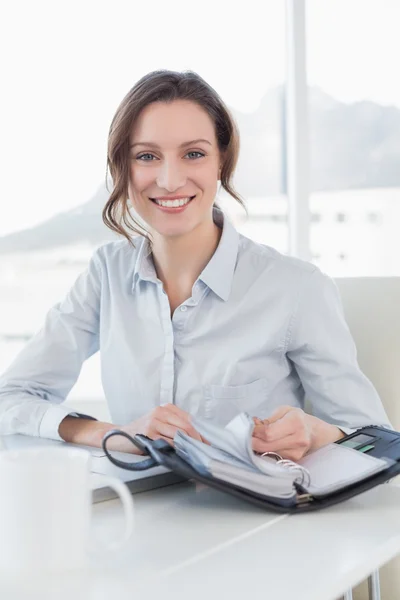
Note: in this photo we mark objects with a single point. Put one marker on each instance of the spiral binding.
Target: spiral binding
(290, 464)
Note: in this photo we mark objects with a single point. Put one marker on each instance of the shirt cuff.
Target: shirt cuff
(347, 430)
(52, 418)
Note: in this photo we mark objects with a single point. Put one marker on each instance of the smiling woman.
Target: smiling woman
(190, 317)
(172, 138)
(178, 178)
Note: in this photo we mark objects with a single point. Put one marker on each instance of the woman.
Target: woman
(190, 317)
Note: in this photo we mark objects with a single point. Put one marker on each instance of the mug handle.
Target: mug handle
(127, 502)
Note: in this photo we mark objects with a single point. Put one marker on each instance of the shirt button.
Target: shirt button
(183, 308)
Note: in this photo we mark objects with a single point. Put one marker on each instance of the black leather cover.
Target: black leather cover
(386, 444)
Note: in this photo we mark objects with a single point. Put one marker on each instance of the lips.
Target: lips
(172, 199)
(176, 203)
(174, 209)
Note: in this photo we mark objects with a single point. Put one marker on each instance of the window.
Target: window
(374, 218)
(354, 117)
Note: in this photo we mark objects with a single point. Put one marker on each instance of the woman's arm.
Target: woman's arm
(33, 388)
(161, 423)
(323, 353)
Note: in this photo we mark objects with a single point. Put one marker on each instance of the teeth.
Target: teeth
(172, 203)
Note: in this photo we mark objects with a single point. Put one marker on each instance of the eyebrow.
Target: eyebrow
(153, 145)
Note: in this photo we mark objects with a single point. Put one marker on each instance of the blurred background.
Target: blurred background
(66, 67)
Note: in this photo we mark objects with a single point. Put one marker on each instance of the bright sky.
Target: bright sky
(68, 65)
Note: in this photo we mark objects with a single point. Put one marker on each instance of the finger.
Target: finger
(276, 431)
(168, 440)
(195, 434)
(172, 414)
(171, 424)
(262, 426)
(294, 454)
(181, 419)
(282, 429)
(261, 446)
(260, 431)
(185, 425)
(186, 418)
(155, 435)
(161, 429)
(280, 412)
(177, 411)
(290, 423)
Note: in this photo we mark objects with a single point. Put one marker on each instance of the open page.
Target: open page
(334, 467)
(235, 441)
(229, 456)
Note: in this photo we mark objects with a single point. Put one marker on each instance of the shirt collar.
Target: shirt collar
(144, 269)
(218, 273)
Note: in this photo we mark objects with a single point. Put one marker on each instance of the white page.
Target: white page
(232, 439)
(257, 482)
(235, 441)
(199, 454)
(332, 467)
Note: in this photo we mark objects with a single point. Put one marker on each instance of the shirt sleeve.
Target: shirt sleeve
(36, 383)
(324, 354)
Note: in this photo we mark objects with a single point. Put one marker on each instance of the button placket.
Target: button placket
(208, 403)
(168, 370)
(179, 318)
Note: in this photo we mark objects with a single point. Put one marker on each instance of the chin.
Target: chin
(172, 232)
(173, 226)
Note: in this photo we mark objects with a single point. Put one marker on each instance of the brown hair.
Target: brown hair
(163, 86)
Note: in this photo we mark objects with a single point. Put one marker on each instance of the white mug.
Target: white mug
(45, 508)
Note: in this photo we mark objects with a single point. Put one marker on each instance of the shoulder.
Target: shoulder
(117, 252)
(266, 258)
(284, 273)
(113, 264)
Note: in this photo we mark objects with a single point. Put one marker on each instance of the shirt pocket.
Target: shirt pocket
(224, 402)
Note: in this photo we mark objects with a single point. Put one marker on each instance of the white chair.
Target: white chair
(372, 309)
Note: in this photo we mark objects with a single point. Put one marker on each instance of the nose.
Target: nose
(171, 176)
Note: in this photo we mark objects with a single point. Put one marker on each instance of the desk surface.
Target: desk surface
(193, 542)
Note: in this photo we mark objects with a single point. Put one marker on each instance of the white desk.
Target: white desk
(193, 542)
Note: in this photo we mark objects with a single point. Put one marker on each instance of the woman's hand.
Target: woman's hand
(292, 433)
(162, 423)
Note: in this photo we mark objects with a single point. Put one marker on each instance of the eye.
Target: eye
(142, 156)
(200, 154)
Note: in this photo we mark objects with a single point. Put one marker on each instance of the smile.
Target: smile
(175, 204)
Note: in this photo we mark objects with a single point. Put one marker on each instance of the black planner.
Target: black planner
(332, 474)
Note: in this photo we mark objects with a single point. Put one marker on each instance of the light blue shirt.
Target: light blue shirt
(260, 330)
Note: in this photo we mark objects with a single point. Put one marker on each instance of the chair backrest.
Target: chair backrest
(372, 309)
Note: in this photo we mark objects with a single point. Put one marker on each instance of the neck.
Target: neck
(180, 260)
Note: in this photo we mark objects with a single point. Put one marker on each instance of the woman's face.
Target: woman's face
(174, 167)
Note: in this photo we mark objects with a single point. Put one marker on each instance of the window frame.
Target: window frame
(297, 132)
